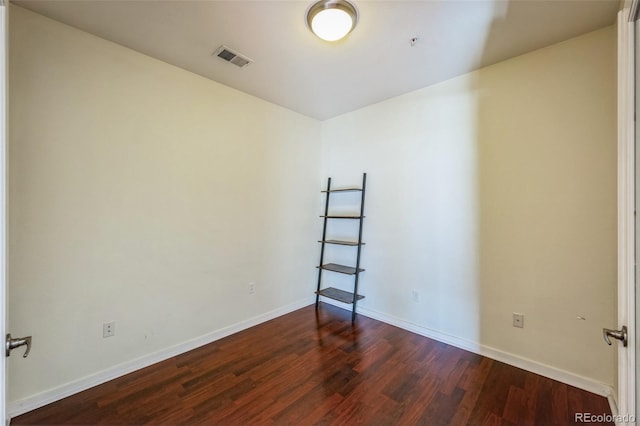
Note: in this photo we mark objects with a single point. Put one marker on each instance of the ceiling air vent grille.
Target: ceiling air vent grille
(232, 56)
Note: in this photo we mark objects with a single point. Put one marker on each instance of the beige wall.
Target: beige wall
(144, 194)
(494, 193)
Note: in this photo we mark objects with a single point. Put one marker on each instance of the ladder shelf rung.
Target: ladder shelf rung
(343, 190)
(339, 295)
(340, 268)
(341, 216)
(342, 243)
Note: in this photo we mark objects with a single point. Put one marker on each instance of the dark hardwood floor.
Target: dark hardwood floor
(306, 369)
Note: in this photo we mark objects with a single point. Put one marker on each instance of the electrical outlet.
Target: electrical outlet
(415, 296)
(108, 329)
(252, 288)
(518, 320)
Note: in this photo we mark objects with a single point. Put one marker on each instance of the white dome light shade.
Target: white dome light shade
(331, 20)
(331, 24)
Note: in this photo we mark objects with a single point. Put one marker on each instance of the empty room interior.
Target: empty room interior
(168, 229)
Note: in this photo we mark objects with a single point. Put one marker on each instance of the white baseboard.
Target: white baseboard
(554, 373)
(22, 406)
(613, 403)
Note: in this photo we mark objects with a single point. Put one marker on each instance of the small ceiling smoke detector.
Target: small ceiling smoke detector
(332, 20)
(232, 56)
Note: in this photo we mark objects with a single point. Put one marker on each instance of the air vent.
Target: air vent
(235, 58)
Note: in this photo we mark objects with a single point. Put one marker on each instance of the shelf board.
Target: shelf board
(340, 216)
(354, 189)
(340, 268)
(337, 294)
(342, 243)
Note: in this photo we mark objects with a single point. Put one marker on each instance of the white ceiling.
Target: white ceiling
(295, 69)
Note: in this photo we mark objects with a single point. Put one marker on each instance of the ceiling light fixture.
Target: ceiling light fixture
(331, 20)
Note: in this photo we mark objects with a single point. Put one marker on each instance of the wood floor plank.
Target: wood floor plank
(471, 383)
(544, 402)
(559, 403)
(317, 368)
(515, 404)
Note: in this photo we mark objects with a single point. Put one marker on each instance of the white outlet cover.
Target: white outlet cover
(518, 320)
(108, 329)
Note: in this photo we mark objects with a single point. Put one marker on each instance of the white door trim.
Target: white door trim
(4, 47)
(626, 206)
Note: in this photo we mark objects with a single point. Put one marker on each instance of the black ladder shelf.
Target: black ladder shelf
(330, 292)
